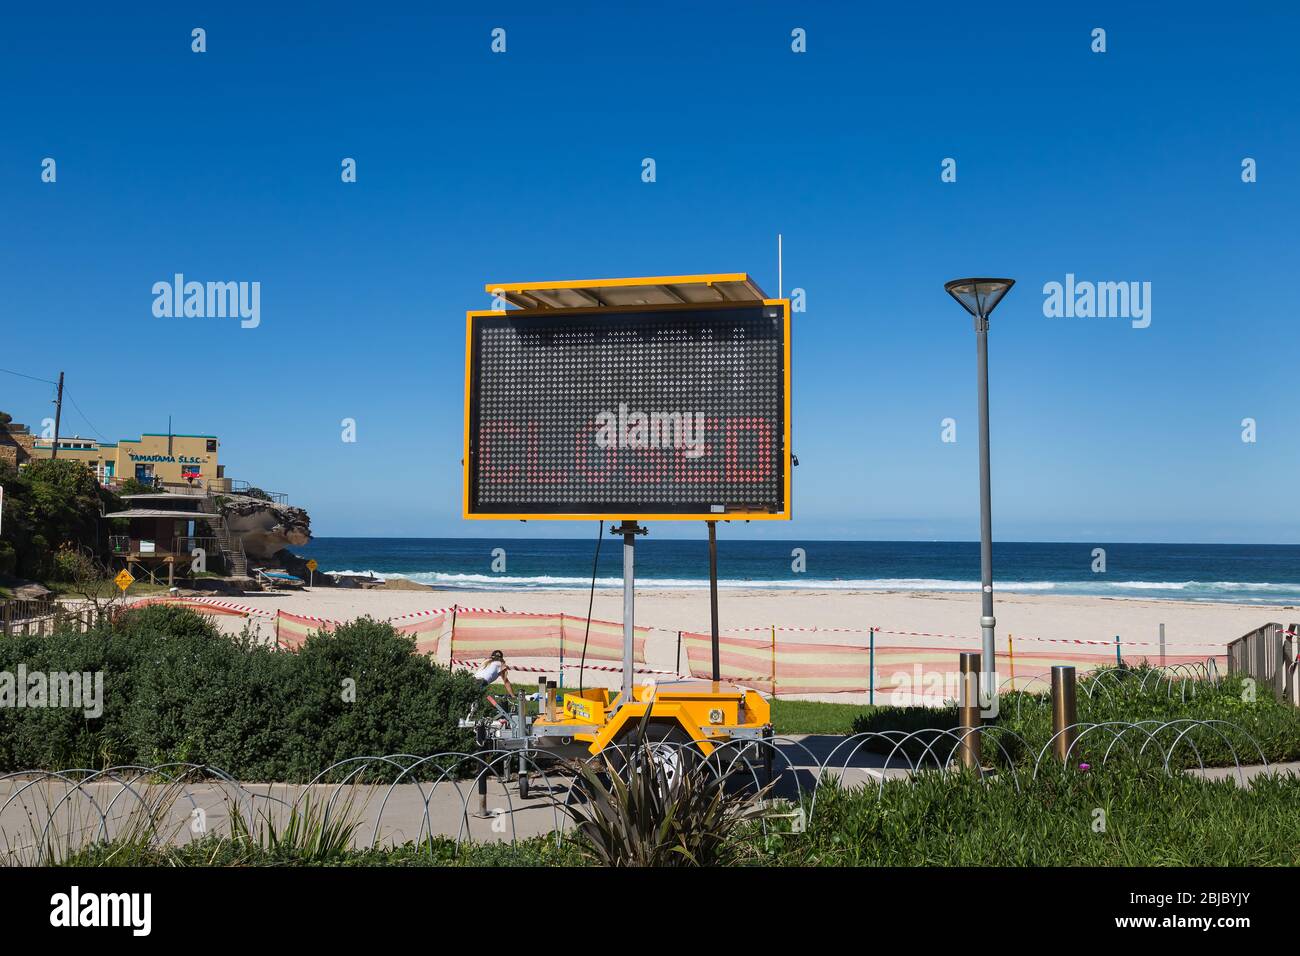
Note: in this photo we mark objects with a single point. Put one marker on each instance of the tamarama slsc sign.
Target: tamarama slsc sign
(652, 398)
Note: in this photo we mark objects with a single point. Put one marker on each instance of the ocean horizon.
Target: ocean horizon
(1233, 573)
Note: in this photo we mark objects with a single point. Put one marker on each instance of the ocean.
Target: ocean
(1263, 574)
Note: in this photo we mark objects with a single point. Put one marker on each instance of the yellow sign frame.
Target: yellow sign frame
(787, 459)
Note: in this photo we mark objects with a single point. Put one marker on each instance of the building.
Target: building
(151, 459)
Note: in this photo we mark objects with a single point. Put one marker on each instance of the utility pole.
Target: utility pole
(58, 414)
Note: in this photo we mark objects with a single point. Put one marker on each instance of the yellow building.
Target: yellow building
(150, 459)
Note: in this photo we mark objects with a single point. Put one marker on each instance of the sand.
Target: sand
(1056, 616)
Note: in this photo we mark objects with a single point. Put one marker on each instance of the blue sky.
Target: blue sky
(474, 166)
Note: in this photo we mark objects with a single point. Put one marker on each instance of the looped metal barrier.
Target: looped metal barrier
(49, 816)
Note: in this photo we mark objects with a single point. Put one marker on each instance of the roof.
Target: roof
(163, 496)
(647, 290)
(159, 513)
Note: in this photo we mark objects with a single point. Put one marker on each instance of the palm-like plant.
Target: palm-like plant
(633, 814)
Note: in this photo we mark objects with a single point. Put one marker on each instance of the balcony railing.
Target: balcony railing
(241, 487)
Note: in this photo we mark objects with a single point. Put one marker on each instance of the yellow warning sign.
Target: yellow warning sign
(124, 579)
(311, 565)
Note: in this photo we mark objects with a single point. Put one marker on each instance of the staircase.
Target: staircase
(232, 548)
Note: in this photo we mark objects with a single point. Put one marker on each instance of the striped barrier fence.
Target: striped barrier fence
(476, 634)
(292, 630)
(426, 627)
(741, 660)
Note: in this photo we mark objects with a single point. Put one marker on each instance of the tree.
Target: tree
(50, 504)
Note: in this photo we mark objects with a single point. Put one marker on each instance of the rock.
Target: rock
(264, 527)
(402, 584)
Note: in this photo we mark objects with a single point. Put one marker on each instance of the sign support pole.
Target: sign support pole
(629, 530)
(713, 596)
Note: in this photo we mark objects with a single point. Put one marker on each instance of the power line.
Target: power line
(84, 418)
(32, 377)
(47, 381)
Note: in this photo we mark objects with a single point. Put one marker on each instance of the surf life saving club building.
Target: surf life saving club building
(150, 459)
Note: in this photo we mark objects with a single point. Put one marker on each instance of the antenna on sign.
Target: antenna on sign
(780, 276)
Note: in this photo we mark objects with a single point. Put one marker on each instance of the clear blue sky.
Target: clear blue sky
(1123, 166)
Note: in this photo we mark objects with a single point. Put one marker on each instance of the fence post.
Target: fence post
(969, 709)
(1011, 658)
(1119, 660)
(679, 653)
(773, 660)
(564, 632)
(7, 616)
(451, 640)
(1162, 645)
(872, 676)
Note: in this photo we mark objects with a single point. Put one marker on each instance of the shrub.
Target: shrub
(175, 689)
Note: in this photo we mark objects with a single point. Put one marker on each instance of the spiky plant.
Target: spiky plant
(629, 812)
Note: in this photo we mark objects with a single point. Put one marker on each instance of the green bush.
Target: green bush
(1263, 727)
(175, 689)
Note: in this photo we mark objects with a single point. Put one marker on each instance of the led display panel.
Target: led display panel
(666, 413)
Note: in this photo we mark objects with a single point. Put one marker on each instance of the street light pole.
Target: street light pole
(987, 621)
(979, 297)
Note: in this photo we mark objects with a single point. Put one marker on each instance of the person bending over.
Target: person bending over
(495, 669)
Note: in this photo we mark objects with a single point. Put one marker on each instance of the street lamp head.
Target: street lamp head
(979, 297)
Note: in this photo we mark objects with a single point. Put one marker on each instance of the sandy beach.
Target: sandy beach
(912, 619)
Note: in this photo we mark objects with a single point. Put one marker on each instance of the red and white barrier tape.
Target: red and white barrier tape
(591, 667)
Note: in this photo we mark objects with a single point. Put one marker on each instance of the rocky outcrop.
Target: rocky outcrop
(265, 528)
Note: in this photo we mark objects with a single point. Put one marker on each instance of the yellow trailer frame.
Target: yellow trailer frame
(709, 712)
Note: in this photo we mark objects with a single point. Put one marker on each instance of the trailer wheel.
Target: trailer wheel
(669, 746)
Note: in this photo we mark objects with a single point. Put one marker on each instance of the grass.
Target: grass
(815, 717)
(441, 851)
(1128, 816)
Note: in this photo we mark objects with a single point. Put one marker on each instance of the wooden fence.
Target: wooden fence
(1268, 655)
(41, 616)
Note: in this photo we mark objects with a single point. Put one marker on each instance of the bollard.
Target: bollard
(968, 712)
(1065, 711)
